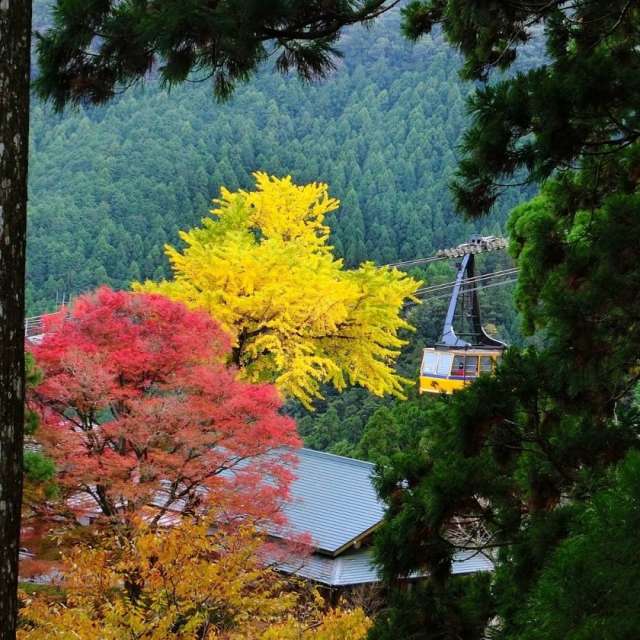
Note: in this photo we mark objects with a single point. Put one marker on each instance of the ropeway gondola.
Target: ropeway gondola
(454, 362)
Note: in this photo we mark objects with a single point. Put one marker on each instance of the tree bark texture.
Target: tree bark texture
(15, 45)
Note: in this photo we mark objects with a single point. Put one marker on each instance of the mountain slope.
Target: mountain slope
(110, 186)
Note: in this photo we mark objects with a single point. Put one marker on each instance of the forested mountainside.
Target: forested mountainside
(506, 508)
(110, 186)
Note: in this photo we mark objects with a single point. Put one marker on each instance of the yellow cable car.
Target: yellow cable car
(453, 362)
(447, 370)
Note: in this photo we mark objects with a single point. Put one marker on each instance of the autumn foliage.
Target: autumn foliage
(141, 414)
(183, 583)
(262, 265)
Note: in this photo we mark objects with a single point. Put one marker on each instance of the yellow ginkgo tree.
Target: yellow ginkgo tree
(262, 265)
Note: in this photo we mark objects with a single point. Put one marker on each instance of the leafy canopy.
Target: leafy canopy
(579, 104)
(263, 267)
(139, 409)
(96, 47)
(600, 557)
(190, 582)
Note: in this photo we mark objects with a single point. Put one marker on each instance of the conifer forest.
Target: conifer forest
(318, 320)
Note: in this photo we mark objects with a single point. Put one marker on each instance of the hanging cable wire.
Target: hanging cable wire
(445, 296)
(468, 281)
(415, 262)
(478, 244)
(34, 326)
(476, 279)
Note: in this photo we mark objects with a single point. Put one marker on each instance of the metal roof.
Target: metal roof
(333, 500)
(356, 567)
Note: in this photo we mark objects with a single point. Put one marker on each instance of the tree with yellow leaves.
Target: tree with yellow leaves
(184, 583)
(337, 624)
(262, 265)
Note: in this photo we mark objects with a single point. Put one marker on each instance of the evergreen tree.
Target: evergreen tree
(522, 462)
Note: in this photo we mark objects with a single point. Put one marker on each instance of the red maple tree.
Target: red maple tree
(141, 414)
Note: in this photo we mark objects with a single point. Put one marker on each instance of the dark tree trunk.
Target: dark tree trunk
(15, 45)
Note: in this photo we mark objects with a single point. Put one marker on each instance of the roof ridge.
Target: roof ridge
(344, 459)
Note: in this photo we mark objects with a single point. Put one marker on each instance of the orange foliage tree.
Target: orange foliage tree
(141, 414)
(188, 582)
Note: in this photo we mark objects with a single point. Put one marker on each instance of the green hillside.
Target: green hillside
(110, 186)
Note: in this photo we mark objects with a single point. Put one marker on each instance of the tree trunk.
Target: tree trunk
(15, 57)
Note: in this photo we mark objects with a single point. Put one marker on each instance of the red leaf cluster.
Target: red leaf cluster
(141, 414)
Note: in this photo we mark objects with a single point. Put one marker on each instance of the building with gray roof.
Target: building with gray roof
(335, 502)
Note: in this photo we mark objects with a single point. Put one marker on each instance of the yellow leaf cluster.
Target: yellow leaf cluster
(262, 266)
(186, 583)
(336, 624)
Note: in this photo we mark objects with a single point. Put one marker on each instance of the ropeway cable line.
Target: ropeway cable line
(448, 295)
(474, 280)
(477, 244)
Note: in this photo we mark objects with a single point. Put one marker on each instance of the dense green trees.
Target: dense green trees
(110, 185)
(95, 49)
(537, 463)
(589, 589)
(347, 423)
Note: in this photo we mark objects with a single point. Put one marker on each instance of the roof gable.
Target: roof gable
(333, 500)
